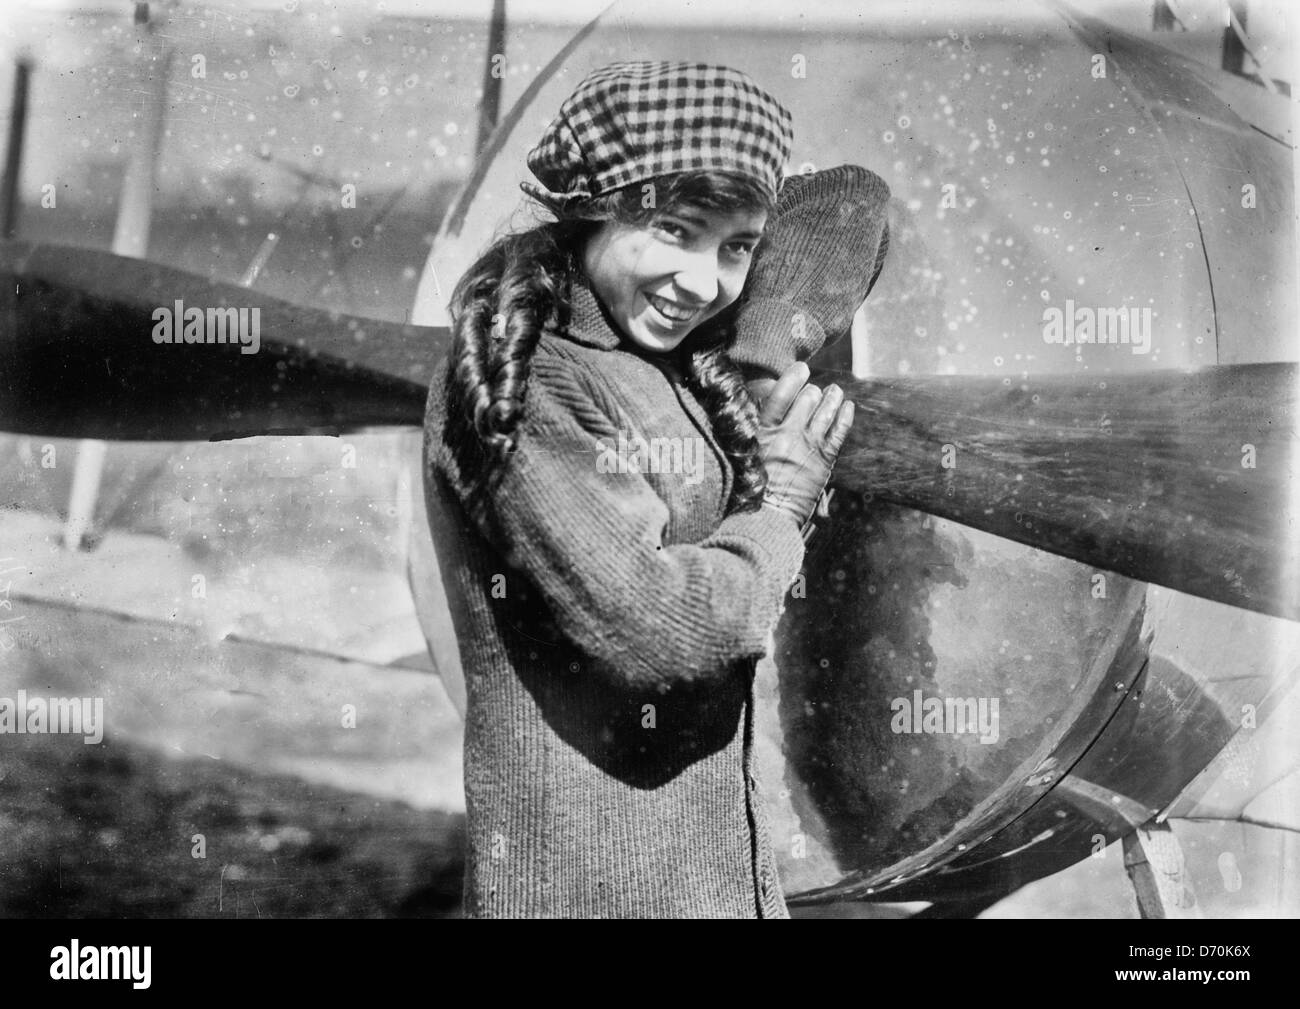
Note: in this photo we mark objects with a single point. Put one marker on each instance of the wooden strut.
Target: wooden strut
(1182, 478)
(1155, 865)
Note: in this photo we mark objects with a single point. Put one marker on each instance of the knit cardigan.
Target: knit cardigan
(610, 614)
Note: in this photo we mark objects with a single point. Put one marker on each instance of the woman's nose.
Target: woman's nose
(698, 277)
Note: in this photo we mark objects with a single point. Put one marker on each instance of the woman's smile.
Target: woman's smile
(674, 313)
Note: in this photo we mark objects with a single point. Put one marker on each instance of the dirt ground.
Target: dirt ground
(109, 831)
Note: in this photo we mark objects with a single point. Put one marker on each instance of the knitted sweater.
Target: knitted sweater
(609, 620)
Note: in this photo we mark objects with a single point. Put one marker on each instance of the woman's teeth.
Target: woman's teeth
(669, 311)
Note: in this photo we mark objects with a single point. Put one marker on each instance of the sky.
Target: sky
(1271, 23)
(1271, 12)
(580, 11)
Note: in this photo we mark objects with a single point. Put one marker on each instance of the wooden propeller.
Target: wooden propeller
(1179, 478)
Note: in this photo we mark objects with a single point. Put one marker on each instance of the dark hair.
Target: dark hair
(501, 305)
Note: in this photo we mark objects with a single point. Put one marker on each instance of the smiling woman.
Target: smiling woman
(609, 616)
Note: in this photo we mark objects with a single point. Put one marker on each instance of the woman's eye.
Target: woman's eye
(741, 250)
(671, 228)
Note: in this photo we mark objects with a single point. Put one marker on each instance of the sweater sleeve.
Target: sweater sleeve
(592, 543)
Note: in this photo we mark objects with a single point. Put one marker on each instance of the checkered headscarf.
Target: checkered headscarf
(628, 122)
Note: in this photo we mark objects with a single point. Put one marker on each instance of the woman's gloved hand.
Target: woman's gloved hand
(822, 250)
(801, 431)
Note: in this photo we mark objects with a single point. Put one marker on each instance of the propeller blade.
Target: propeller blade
(1179, 478)
(78, 357)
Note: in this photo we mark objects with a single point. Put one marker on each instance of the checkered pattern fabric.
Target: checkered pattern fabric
(628, 122)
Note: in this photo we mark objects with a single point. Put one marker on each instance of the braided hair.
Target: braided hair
(515, 290)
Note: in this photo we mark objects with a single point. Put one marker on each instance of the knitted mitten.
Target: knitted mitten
(820, 256)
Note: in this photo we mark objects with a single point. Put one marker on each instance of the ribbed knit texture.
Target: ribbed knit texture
(821, 253)
(595, 595)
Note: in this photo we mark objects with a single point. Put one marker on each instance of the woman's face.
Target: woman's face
(661, 280)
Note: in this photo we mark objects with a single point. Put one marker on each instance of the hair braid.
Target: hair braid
(720, 385)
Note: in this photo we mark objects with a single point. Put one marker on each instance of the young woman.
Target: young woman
(616, 522)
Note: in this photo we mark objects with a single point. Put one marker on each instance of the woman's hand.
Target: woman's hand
(801, 431)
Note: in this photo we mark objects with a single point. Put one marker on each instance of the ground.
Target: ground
(109, 831)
